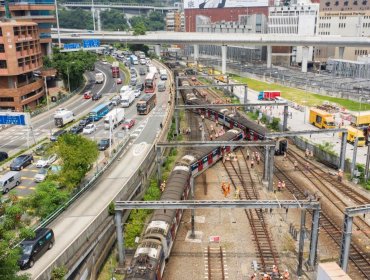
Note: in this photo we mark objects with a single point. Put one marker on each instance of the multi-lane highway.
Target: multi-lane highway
(75, 220)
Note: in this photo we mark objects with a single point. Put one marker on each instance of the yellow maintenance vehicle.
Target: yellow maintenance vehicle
(360, 119)
(219, 77)
(321, 118)
(354, 133)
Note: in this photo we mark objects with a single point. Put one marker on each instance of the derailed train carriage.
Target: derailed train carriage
(157, 241)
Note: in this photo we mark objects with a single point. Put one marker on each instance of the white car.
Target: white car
(41, 175)
(143, 61)
(125, 88)
(90, 128)
(47, 161)
(59, 110)
(137, 92)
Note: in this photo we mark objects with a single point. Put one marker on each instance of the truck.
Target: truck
(268, 95)
(115, 69)
(321, 118)
(116, 116)
(99, 78)
(127, 98)
(352, 134)
(64, 117)
(360, 119)
(134, 60)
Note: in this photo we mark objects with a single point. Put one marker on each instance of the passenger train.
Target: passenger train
(155, 246)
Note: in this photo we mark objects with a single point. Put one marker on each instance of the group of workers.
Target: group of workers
(274, 275)
(255, 157)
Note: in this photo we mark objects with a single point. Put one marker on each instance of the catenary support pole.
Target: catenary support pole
(266, 167)
(245, 97)
(314, 237)
(304, 59)
(353, 164)
(157, 49)
(159, 163)
(196, 53)
(367, 163)
(301, 242)
(285, 120)
(343, 147)
(223, 58)
(269, 56)
(346, 241)
(271, 169)
(120, 238)
(192, 210)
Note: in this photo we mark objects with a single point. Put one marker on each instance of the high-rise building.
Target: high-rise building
(39, 11)
(175, 21)
(344, 18)
(20, 55)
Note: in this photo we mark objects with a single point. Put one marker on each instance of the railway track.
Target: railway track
(358, 258)
(215, 263)
(240, 176)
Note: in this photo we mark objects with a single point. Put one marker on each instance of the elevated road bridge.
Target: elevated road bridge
(124, 6)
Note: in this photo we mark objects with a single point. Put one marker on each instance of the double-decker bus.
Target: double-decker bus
(146, 104)
(98, 112)
(150, 83)
(115, 69)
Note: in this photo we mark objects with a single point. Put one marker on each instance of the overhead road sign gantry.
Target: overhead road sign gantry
(215, 106)
(14, 118)
(217, 144)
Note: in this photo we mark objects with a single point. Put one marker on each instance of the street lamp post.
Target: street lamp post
(47, 103)
(57, 18)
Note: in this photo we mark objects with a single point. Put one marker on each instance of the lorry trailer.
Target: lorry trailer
(64, 117)
(127, 98)
(114, 118)
(268, 95)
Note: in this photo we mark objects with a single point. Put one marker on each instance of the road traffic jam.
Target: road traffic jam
(26, 170)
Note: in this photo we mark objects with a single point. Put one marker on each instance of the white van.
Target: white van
(10, 180)
(163, 74)
(161, 86)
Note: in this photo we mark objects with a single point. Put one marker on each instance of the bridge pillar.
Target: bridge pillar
(304, 59)
(341, 52)
(223, 58)
(346, 242)
(120, 244)
(93, 16)
(271, 169)
(157, 49)
(49, 51)
(285, 120)
(301, 242)
(269, 56)
(196, 53)
(98, 19)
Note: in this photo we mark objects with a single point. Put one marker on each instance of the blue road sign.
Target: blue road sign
(13, 119)
(93, 43)
(72, 46)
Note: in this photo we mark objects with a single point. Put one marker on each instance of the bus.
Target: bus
(146, 104)
(115, 69)
(150, 83)
(98, 112)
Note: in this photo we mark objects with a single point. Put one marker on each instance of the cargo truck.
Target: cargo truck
(116, 117)
(127, 98)
(354, 133)
(360, 119)
(134, 60)
(115, 69)
(268, 95)
(321, 118)
(99, 78)
(64, 117)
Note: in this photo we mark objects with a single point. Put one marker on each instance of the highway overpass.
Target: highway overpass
(223, 40)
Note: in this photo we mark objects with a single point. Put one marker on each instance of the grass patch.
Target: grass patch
(299, 96)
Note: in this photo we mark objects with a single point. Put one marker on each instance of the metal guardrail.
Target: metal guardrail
(86, 187)
(120, 4)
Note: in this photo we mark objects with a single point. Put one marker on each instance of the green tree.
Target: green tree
(77, 154)
(75, 18)
(12, 230)
(139, 28)
(113, 20)
(47, 198)
(58, 273)
(153, 22)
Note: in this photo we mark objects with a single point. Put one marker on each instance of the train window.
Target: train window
(205, 159)
(194, 166)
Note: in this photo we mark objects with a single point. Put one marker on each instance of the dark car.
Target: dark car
(76, 129)
(142, 71)
(33, 249)
(21, 162)
(42, 148)
(85, 121)
(103, 144)
(97, 96)
(54, 137)
(140, 86)
(3, 156)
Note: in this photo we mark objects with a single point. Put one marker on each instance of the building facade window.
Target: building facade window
(3, 64)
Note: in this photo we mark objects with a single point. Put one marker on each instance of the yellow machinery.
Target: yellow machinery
(354, 133)
(321, 119)
(360, 119)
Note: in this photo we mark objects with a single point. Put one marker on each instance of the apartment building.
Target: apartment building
(20, 55)
(345, 18)
(175, 21)
(39, 11)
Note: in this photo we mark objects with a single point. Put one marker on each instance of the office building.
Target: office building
(20, 55)
(39, 11)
